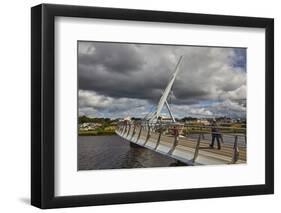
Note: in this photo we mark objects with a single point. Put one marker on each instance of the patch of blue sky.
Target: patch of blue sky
(239, 59)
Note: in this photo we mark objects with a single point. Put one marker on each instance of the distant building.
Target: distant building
(89, 126)
(203, 121)
(226, 120)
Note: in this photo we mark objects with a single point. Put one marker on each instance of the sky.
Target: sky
(117, 80)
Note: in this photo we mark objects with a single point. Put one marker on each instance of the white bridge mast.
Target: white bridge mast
(163, 100)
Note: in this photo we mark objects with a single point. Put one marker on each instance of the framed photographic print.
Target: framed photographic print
(139, 106)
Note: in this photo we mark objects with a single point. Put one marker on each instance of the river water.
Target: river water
(113, 152)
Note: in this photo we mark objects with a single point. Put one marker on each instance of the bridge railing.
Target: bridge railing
(233, 135)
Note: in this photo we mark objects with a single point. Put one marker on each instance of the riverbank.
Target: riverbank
(95, 133)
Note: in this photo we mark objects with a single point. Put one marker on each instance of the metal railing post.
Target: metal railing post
(134, 131)
(197, 148)
(175, 142)
(128, 130)
(124, 129)
(148, 134)
(139, 133)
(235, 153)
(159, 138)
(202, 133)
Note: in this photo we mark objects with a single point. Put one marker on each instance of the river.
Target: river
(113, 152)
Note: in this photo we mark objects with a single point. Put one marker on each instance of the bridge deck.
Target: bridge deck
(184, 148)
(226, 149)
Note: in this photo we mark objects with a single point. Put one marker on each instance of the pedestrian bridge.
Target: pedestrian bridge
(188, 144)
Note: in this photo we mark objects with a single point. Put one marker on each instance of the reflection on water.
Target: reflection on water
(113, 152)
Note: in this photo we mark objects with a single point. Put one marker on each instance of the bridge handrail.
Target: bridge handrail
(235, 153)
(220, 127)
(202, 129)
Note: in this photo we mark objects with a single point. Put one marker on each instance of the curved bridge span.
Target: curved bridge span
(187, 144)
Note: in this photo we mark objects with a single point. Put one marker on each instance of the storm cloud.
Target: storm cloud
(117, 79)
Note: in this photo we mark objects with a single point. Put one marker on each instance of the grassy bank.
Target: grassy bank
(95, 133)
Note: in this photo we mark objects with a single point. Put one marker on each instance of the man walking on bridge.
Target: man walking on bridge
(215, 135)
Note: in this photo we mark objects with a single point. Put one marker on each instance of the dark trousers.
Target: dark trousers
(217, 137)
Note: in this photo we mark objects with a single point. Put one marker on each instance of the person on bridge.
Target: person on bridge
(215, 135)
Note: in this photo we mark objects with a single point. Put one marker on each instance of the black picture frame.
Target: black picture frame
(43, 102)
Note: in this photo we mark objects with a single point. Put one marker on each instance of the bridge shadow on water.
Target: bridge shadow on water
(141, 157)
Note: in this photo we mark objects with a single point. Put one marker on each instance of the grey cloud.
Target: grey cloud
(141, 72)
(110, 57)
(92, 103)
